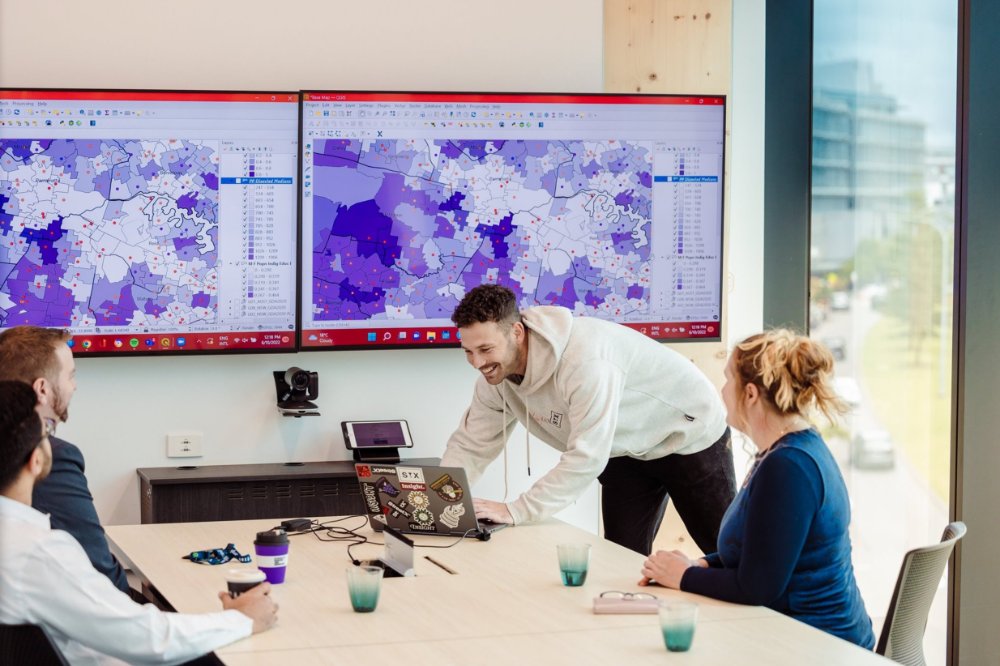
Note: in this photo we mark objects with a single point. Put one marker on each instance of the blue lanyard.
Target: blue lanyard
(217, 555)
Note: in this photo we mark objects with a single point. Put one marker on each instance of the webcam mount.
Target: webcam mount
(296, 389)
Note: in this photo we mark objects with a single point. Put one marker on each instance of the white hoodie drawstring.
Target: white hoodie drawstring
(527, 431)
(503, 388)
(527, 439)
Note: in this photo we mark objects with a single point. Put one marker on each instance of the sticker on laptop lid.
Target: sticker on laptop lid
(417, 527)
(386, 487)
(371, 498)
(398, 509)
(452, 515)
(448, 489)
(423, 516)
(419, 499)
(410, 475)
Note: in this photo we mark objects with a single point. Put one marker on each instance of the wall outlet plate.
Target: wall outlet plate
(184, 445)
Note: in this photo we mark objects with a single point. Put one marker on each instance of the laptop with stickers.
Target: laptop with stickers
(420, 499)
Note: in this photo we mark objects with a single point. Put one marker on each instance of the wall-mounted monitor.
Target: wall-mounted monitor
(610, 205)
(150, 221)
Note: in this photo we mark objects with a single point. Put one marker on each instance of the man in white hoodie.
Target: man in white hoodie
(622, 408)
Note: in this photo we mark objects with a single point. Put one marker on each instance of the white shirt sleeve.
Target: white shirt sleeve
(60, 590)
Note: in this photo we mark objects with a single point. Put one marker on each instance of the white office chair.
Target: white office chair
(902, 638)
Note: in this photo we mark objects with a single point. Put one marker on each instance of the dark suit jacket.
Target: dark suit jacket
(65, 496)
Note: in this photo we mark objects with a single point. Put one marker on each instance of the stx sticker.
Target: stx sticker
(410, 474)
(447, 489)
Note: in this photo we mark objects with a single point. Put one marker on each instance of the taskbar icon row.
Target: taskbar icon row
(387, 337)
(437, 336)
(160, 342)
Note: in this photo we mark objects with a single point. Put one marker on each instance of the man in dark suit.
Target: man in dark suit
(40, 357)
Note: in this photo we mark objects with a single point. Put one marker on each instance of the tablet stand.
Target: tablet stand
(382, 454)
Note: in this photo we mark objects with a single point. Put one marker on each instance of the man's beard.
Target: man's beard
(59, 407)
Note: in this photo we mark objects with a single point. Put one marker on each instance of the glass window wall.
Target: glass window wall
(884, 99)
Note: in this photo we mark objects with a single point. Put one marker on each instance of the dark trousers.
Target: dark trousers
(634, 495)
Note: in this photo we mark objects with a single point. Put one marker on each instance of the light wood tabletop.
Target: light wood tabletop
(507, 588)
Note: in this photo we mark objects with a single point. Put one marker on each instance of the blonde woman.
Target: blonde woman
(784, 541)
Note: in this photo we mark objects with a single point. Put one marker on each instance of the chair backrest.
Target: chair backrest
(28, 644)
(902, 638)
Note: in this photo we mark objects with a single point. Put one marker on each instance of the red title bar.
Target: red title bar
(453, 98)
(147, 96)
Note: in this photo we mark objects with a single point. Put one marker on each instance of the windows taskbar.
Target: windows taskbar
(444, 336)
(83, 343)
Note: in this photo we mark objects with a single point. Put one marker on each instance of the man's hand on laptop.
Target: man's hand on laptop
(495, 512)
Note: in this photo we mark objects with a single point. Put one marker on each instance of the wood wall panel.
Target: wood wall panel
(674, 46)
(657, 46)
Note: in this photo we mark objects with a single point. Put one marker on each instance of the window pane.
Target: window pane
(882, 246)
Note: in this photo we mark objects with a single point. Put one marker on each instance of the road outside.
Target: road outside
(894, 509)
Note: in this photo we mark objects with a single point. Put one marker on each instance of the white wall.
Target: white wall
(125, 406)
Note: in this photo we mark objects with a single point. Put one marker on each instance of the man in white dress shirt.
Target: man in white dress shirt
(47, 579)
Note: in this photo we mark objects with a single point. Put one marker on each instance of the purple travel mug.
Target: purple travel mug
(271, 549)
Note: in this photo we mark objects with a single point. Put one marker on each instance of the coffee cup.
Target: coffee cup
(271, 550)
(240, 580)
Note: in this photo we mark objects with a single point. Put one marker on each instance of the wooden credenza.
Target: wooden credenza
(243, 492)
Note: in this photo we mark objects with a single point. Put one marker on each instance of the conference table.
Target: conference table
(478, 602)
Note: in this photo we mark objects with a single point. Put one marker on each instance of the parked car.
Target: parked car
(847, 389)
(840, 300)
(873, 449)
(837, 346)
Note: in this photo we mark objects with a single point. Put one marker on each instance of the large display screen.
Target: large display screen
(610, 205)
(150, 222)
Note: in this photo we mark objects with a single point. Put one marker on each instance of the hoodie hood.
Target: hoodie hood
(549, 328)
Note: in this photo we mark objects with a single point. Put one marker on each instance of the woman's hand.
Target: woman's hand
(667, 568)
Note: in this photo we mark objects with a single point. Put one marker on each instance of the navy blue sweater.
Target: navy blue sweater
(65, 496)
(784, 543)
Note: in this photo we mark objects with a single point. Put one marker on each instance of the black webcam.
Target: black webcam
(296, 388)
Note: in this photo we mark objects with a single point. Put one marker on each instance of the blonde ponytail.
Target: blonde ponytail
(792, 371)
